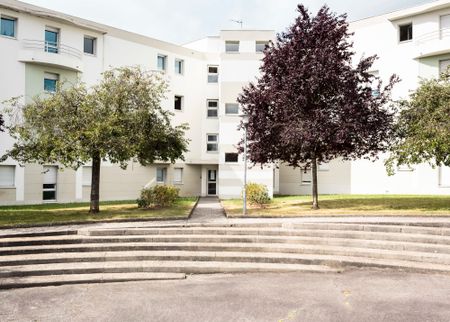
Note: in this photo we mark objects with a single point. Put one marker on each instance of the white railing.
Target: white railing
(434, 35)
(51, 47)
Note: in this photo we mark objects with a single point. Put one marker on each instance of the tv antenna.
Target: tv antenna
(237, 21)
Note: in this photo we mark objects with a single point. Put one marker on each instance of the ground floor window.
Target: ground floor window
(444, 177)
(87, 175)
(306, 177)
(161, 175)
(49, 183)
(178, 175)
(7, 175)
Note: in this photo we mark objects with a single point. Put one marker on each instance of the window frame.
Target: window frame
(13, 182)
(212, 142)
(181, 100)
(209, 108)
(164, 175)
(164, 57)
(181, 71)
(181, 175)
(56, 79)
(233, 104)
(400, 26)
(231, 153)
(232, 43)
(94, 45)
(15, 24)
(210, 74)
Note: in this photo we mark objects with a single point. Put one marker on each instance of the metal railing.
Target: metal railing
(51, 47)
(434, 35)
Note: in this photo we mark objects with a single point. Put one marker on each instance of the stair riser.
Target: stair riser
(268, 259)
(222, 239)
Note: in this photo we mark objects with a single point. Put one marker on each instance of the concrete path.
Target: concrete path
(209, 209)
(361, 295)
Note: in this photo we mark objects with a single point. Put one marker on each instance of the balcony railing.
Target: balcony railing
(51, 47)
(433, 36)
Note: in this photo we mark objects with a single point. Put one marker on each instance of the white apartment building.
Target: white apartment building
(39, 47)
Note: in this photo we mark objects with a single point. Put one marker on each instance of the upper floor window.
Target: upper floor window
(51, 40)
(213, 74)
(212, 144)
(179, 66)
(260, 46)
(231, 46)
(406, 32)
(178, 103)
(231, 157)
(8, 26)
(50, 82)
(162, 62)
(231, 108)
(89, 45)
(213, 108)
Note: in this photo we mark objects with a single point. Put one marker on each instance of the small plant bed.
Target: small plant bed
(54, 214)
(337, 205)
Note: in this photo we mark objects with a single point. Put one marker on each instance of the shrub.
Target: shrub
(257, 194)
(158, 196)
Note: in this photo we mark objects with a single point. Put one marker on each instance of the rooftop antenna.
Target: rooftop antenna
(237, 21)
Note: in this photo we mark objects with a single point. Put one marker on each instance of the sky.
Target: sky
(182, 21)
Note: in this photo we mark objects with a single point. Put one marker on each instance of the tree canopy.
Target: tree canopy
(311, 105)
(119, 119)
(423, 126)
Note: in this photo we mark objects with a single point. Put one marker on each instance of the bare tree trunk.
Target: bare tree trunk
(95, 185)
(315, 194)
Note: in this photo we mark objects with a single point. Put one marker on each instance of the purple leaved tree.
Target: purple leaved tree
(311, 105)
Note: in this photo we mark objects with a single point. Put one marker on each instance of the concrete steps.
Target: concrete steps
(100, 255)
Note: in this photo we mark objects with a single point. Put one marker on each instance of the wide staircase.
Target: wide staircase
(171, 252)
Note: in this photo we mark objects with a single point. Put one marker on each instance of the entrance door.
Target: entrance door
(212, 182)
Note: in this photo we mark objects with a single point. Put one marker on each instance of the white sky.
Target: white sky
(181, 21)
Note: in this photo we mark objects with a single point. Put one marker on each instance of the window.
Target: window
(404, 168)
(444, 177)
(7, 175)
(49, 183)
(179, 66)
(51, 40)
(162, 62)
(231, 108)
(8, 27)
(324, 167)
(213, 74)
(444, 66)
(87, 175)
(161, 175)
(50, 82)
(178, 175)
(406, 32)
(445, 25)
(231, 157)
(232, 46)
(89, 45)
(260, 46)
(212, 144)
(178, 103)
(306, 176)
(213, 108)
(375, 90)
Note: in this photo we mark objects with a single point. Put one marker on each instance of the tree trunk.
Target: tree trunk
(315, 194)
(95, 185)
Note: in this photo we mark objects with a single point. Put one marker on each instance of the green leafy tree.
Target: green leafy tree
(423, 126)
(120, 119)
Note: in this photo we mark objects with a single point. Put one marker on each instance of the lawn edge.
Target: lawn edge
(106, 221)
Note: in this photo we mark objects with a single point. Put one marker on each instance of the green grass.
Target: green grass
(54, 213)
(297, 206)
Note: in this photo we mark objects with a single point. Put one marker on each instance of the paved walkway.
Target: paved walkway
(209, 209)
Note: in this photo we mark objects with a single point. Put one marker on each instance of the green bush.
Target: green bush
(158, 196)
(257, 194)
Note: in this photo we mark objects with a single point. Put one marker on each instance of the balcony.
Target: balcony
(50, 54)
(433, 43)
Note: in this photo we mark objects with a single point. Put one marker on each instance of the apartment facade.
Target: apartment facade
(40, 47)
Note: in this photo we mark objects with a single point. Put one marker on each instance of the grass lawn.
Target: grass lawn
(297, 206)
(78, 212)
